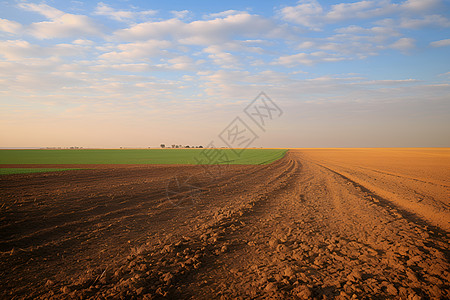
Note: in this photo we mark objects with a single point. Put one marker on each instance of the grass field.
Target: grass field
(8, 171)
(140, 156)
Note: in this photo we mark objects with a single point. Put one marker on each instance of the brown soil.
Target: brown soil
(316, 224)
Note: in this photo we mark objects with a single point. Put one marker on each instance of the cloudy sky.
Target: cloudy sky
(140, 73)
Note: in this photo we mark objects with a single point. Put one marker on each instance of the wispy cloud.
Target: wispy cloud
(312, 14)
(60, 24)
(138, 51)
(441, 43)
(224, 14)
(103, 9)
(201, 32)
(180, 14)
(10, 26)
(404, 44)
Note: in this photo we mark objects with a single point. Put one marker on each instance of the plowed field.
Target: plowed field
(318, 223)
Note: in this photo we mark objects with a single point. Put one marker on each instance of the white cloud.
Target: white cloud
(28, 73)
(129, 67)
(66, 26)
(103, 9)
(311, 14)
(180, 14)
(441, 43)
(20, 50)
(304, 13)
(311, 58)
(321, 90)
(352, 42)
(426, 21)
(181, 63)
(220, 30)
(228, 83)
(10, 26)
(61, 24)
(83, 42)
(149, 30)
(358, 10)
(43, 9)
(75, 50)
(137, 51)
(306, 45)
(224, 59)
(372, 31)
(200, 32)
(421, 5)
(377, 37)
(403, 44)
(225, 14)
(389, 82)
(295, 59)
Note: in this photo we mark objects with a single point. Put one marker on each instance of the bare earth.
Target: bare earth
(319, 223)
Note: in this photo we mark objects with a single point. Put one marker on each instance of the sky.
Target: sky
(131, 73)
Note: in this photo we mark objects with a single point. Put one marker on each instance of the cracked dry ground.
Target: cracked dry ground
(309, 226)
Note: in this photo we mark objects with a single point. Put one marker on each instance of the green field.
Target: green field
(8, 171)
(140, 156)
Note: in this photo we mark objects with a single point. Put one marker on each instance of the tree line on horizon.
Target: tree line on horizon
(179, 146)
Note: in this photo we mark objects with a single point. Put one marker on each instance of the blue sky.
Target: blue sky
(141, 73)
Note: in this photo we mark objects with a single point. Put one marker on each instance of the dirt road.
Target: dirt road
(314, 224)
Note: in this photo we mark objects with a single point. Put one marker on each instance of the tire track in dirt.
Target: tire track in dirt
(403, 177)
(421, 206)
(427, 198)
(326, 238)
(394, 209)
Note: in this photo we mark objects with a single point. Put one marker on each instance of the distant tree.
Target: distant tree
(176, 146)
(200, 146)
(173, 146)
(163, 146)
(187, 146)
